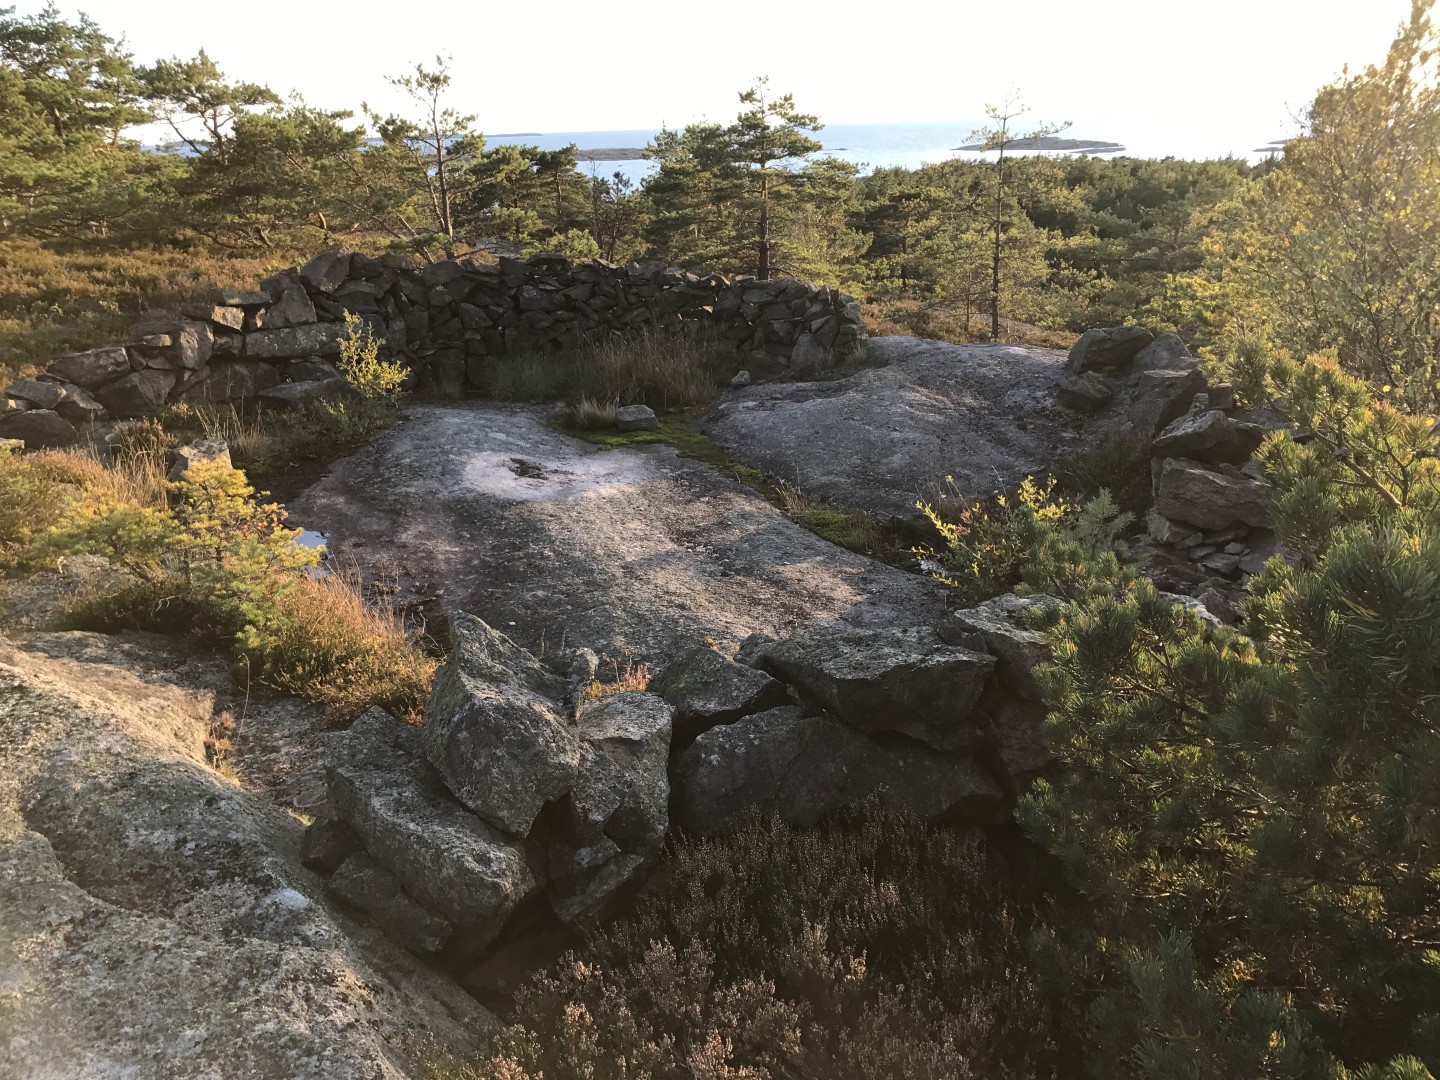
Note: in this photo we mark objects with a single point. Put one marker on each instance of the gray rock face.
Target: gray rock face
(1210, 498)
(294, 342)
(999, 627)
(183, 457)
(311, 369)
(1165, 353)
(450, 861)
(293, 309)
(903, 680)
(1162, 397)
(170, 344)
(363, 883)
(808, 354)
(231, 318)
(615, 819)
(327, 843)
(79, 406)
(38, 429)
(326, 272)
(503, 748)
(1209, 436)
(40, 395)
(1086, 393)
(706, 689)
(1109, 349)
(231, 380)
(138, 394)
(90, 369)
(1015, 745)
(303, 393)
(636, 418)
(806, 768)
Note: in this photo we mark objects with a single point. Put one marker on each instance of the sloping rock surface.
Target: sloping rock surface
(982, 414)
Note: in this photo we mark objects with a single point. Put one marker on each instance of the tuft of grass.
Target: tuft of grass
(634, 676)
(852, 529)
(331, 645)
(590, 415)
(665, 369)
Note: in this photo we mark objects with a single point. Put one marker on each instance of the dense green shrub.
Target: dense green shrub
(1030, 539)
(1252, 827)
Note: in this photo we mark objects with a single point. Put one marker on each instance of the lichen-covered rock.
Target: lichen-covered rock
(1210, 436)
(295, 342)
(494, 729)
(806, 768)
(1000, 627)
(899, 680)
(40, 395)
(1165, 353)
(1162, 397)
(326, 843)
(1210, 498)
(1109, 349)
(363, 883)
(183, 457)
(448, 859)
(91, 369)
(292, 309)
(707, 689)
(636, 418)
(141, 393)
(1087, 393)
(230, 380)
(79, 406)
(38, 429)
(171, 344)
(289, 394)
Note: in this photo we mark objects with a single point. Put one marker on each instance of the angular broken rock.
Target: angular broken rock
(189, 346)
(1165, 353)
(636, 418)
(41, 395)
(1001, 628)
(807, 768)
(1085, 393)
(1015, 746)
(1109, 349)
(230, 380)
(1209, 436)
(1161, 397)
(79, 405)
(303, 393)
(326, 843)
(182, 457)
(1210, 498)
(293, 309)
(494, 729)
(364, 884)
(610, 830)
(903, 680)
(38, 429)
(445, 857)
(90, 369)
(140, 393)
(294, 342)
(707, 689)
(326, 272)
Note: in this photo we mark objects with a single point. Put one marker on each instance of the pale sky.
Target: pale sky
(1222, 75)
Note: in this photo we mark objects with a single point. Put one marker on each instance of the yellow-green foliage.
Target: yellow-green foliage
(360, 362)
(212, 561)
(1030, 539)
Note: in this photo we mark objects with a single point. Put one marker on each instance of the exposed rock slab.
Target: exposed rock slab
(560, 545)
(983, 414)
(901, 680)
(806, 768)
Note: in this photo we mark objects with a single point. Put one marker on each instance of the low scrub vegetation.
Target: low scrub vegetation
(875, 948)
(1031, 539)
(206, 558)
(665, 369)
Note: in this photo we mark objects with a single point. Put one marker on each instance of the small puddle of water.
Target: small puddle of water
(315, 541)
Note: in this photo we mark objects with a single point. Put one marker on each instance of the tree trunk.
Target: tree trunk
(995, 254)
(764, 244)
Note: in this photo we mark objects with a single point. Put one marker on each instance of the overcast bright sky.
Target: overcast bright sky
(1226, 73)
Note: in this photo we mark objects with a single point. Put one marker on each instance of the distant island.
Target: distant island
(518, 135)
(611, 153)
(1276, 147)
(1050, 142)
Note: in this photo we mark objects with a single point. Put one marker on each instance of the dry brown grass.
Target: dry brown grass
(330, 644)
(940, 322)
(633, 676)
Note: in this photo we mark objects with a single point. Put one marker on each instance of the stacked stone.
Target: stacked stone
(446, 320)
(1211, 506)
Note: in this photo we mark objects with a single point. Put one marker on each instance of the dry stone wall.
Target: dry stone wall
(448, 321)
